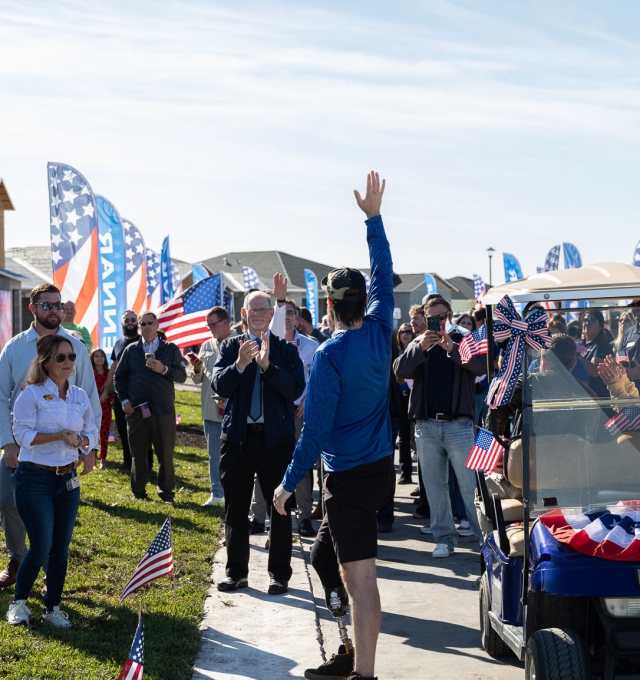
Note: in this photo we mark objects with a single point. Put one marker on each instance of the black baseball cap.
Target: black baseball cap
(345, 284)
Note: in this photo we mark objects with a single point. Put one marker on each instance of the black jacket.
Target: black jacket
(412, 364)
(137, 383)
(282, 383)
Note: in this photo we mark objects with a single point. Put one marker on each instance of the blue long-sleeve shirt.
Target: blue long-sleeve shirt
(347, 407)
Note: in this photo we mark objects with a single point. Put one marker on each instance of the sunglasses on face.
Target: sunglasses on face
(146, 323)
(442, 317)
(48, 306)
(61, 357)
(589, 321)
(405, 331)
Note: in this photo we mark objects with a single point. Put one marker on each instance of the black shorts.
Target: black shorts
(352, 498)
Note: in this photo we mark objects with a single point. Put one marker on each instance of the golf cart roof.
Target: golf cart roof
(612, 280)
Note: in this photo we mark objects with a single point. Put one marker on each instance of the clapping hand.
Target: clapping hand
(370, 205)
(246, 354)
(262, 358)
(610, 371)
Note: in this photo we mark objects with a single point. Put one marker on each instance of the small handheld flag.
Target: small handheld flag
(485, 453)
(627, 420)
(473, 344)
(133, 666)
(157, 562)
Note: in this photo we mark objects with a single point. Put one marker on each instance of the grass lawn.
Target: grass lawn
(112, 534)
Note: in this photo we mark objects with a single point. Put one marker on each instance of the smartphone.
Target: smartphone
(433, 324)
(192, 355)
(149, 356)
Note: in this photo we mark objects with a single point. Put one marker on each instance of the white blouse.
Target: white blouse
(39, 408)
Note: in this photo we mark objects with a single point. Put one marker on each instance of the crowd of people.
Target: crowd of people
(282, 403)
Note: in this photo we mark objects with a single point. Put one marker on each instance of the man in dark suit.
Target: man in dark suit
(144, 381)
(261, 376)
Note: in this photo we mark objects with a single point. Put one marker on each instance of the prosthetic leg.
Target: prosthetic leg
(337, 602)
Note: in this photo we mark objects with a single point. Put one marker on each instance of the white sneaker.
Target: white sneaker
(214, 500)
(426, 529)
(464, 529)
(18, 613)
(442, 550)
(57, 618)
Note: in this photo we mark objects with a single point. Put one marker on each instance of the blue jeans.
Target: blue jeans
(212, 433)
(440, 443)
(49, 512)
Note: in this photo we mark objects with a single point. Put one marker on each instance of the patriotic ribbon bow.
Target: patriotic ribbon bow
(532, 331)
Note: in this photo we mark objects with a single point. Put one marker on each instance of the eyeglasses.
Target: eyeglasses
(48, 306)
(442, 317)
(405, 332)
(61, 357)
(214, 324)
(589, 321)
(290, 313)
(130, 321)
(142, 324)
(259, 310)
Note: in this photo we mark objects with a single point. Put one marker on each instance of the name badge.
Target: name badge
(631, 344)
(73, 483)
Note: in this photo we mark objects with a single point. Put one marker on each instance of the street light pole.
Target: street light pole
(490, 252)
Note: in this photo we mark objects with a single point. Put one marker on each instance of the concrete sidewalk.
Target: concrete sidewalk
(429, 622)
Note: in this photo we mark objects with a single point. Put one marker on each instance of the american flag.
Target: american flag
(136, 267)
(478, 286)
(184, 319)
(111, 438)
(485, 453)
(153, 280)
(627, 420)
(553, 259)
(178, 418)
(250, 277)
(74, 243)
(176, 280)
(133, 666)
(157, 562)
(473, 344)
(145, 410)
(227, 303)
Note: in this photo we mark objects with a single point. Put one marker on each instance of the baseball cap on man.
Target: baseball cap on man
(345, 284)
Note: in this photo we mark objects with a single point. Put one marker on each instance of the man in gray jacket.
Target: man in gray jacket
(442, 403)
(212, 405)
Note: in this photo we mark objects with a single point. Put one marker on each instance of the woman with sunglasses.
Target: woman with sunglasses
(52, 423)
(597, 346)
(101, 372)
(626, 321)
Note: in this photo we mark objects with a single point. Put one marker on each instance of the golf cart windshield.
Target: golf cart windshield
(584, 443)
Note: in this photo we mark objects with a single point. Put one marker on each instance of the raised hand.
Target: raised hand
(262, 358)
(370, 205)
(279, 291)
(610, 371)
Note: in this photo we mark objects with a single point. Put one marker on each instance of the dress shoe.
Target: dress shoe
(415, 492)
(385, 528)
(404, 480)
(256, 527)
(305, 528)
(317, 512)
(10, 573)
(277, 587)
(228, 584)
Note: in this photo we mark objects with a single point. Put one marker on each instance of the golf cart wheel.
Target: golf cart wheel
(556, 654)
(492, 643)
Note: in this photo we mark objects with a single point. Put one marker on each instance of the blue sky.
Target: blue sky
(246, 125)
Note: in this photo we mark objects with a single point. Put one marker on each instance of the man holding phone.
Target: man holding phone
(442, 402)
(144, 382)
(212, 404)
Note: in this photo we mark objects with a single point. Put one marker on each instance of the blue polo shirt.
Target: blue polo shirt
(347, 407)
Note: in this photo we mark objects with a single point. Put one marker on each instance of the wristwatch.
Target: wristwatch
(84, 450)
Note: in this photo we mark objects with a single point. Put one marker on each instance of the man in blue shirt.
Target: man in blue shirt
(347, 423)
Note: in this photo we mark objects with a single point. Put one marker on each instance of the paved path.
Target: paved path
(429, 621)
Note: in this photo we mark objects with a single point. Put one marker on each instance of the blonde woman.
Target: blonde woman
(52, 423)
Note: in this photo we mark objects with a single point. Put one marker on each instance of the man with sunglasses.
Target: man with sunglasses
(144, 380)
(442, 403)
(212, 405)
(47, 309)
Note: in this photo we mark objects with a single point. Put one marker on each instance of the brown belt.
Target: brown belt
(58, 469)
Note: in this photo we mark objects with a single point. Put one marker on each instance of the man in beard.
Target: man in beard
(16, 357)
(130, 332)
